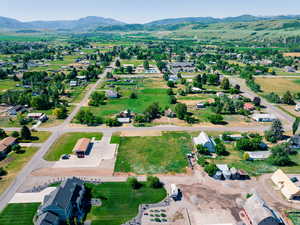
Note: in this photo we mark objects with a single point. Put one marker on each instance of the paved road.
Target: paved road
(37, 159)
(38, 162)
(285, 118)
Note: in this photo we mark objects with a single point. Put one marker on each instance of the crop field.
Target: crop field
(13, 163)
(279, 85)
(18, 214)
(152, 155)
(66, 143)
(120, 202)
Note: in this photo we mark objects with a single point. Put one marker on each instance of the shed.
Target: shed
(81, 147)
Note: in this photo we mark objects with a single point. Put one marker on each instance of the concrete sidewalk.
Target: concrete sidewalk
(31, 197)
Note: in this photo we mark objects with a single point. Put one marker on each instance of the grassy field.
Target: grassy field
(66, 143)
(152, 155)
(7, 84)
(279, 85)
(120, 202)
(38, 137)
(295, 217)
(146, 93)
(18, 214)
(13, 163)
(135, 62)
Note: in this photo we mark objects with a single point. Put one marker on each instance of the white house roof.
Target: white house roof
(222, 167)
(263, 116)
(202, 139)
(124, 120)
(259, 154)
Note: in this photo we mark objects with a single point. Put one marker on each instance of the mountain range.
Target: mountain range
(93, 22)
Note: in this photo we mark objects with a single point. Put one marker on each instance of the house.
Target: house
(256, 212)
(112, 94)
(62, 204)
(177, 67)
(169, 113)
(196, 90)
(289, 189)
(289, 69)
(38, 116)
(200, 105)
(73, 83)
(249, 106)
(48, 218)
(224, 170)
(205, 141)
(295, 142)
(124, 120)
(259, 155)
(82, 147)
(6, 144)
(220, 94)
(297, 107)
(12, 111)
(264, 117)
(173, 78)
(174, 191)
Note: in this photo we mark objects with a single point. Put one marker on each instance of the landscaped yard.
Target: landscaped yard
(13, 163)
(279, 85)
(66, 143)
(152, 155)
(120, 202)
(18, 214)
(7, 84)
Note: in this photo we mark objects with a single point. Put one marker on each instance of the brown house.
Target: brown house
(81, 147)
(5, 145)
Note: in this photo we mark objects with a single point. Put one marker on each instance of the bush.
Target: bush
(211, 169)
(112, 122)
(216, 119)
(15, 134)
(3, 172)
(133, 95)
(202, 150)
(133, 182)
(202, 161)
(153, 182)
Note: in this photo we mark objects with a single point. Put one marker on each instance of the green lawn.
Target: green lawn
(66, 143)
(7, 84)
(38, 137)
(151, 155)
(145, 98)
(13, 163)
(295, 217)
(18, 214)
(120, 202)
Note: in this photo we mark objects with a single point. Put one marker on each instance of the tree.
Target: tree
(220, 148)
(112, 122)
(2, 134)
(225, 84)
(280, 156)
(152, 111)
(15, 134)
(2, 172)
(202, 150)
(153, 182)
(215, 118)
(133, 182)
(25, 133)
(129, 69)
(60, 112)
(170, 91)
(211, 169)
(276, 132)
(118, 64)
(97, 98)
(146, 65)
(133, 95)
(256, 101)
(172, 99)
(288, 98)
(296, 125)
(16, 148)
(170, 84)
(180, 110)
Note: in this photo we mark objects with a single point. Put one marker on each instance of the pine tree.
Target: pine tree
(25, 133)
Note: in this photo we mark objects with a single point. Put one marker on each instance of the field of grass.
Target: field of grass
(66, 143)
(7, 84)
(295, 217)
(120, 202)
(13, 163)
(278, 85)
(18, 214)
(38, 137)
(146, 92)
(153, 155)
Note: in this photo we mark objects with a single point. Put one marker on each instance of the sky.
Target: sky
(140, 11)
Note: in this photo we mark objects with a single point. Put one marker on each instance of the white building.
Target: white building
(205, 141)
(174, 191)
(297, 107)
(264, 117)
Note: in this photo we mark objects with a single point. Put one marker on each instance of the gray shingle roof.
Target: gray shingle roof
(47, 218)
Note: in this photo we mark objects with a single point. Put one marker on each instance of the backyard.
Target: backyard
(120, 202)
(66, 143)
(18, 214)
(13, 163)
(153, 155)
